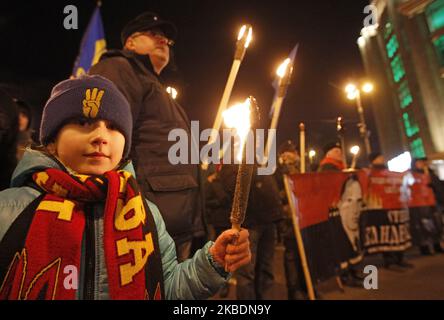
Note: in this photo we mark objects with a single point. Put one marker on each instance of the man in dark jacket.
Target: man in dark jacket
(433, 233)
(135, 70)
(264, 211)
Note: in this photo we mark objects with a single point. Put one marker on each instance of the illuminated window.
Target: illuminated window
(392, 46)
(405, 97)
(417, 148)
(397, 68)
(388, 29)
(410, 126)
(435, 15)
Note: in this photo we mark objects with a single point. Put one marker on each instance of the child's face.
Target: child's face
(89, 147)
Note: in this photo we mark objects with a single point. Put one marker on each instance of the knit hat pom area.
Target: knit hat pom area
(90, 98)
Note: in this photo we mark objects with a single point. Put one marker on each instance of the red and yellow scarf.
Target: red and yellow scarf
(41, 253)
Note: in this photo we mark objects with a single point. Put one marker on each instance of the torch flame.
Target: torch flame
(242, 34)
(354, 150)
(238, 117)
(282, 69)
(249, 37)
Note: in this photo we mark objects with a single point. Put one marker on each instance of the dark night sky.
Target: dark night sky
(37, 52)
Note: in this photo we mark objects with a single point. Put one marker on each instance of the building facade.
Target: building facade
(403, 54)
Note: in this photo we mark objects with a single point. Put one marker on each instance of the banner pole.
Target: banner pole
(302, 146)
(299, 241)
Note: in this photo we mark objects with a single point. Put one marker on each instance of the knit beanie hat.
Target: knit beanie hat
(88, 97)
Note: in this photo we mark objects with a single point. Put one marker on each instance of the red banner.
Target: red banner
(318, 194)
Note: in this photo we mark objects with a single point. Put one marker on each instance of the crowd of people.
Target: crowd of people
(86, 141)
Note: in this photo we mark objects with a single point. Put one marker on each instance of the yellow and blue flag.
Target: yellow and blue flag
(92, 46)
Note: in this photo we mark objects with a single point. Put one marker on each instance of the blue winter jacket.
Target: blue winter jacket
(195, 278)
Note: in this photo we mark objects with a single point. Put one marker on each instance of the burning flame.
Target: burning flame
(354, 150)
(238, 117)
(241, 32)
(249, 35)
(282, 69)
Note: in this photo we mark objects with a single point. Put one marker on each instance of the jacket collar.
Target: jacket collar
(142, 60)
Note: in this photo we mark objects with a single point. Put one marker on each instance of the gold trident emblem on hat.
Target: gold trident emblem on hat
(91, 103)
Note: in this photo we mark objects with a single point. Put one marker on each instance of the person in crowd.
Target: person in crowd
(136, 70)
(420, 165)
(75, 205)
(289, 163)
(8, 138)
(24, 138)
(392, 259)
(332, 160)
(254, 281)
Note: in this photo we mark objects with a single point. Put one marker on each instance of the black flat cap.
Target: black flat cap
(148, 21)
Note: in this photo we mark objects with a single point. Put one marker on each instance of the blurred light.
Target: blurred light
(354, 150)
(350, 88)
(367, 87)
(311, 154)
(352, 95)
(249, 37)
(238, 117)
(241, 32)
(172, 91)
(361, 41)
(283, 68)
(400, 163)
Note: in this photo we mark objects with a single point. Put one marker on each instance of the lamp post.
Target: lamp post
(354, 93)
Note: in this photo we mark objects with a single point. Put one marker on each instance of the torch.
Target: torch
(340, 130)
(354, 151)
(243, 40)
(311, 155)
(239, 117)
(283, 73)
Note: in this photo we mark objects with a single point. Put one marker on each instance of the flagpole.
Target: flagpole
(299, 241)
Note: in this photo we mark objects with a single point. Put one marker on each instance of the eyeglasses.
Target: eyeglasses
(155, 34)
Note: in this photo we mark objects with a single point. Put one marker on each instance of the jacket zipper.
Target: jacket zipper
(90, 254)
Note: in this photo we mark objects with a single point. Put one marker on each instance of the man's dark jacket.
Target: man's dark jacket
(175, 189)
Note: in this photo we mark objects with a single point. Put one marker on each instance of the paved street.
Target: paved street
(425, 281)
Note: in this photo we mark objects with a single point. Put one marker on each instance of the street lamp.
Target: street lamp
(354, 93)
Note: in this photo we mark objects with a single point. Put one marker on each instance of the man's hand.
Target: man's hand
(232, 249)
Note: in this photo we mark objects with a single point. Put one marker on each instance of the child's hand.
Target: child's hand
(232, 249)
